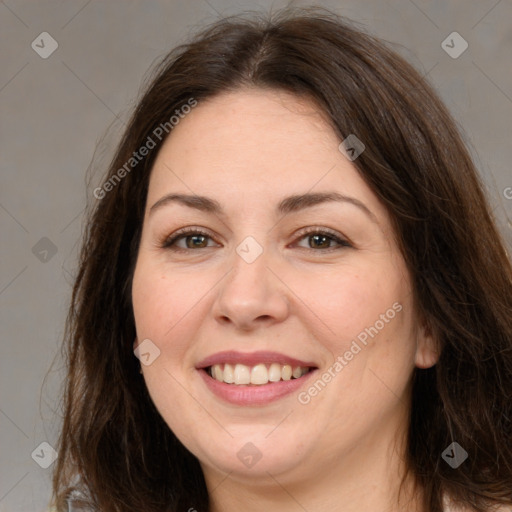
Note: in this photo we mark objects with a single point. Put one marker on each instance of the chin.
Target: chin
(249, 461)
(252, 454)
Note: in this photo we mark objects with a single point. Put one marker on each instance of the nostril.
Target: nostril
(264, 318)
(225, 320)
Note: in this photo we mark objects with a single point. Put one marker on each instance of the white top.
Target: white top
(449, 506)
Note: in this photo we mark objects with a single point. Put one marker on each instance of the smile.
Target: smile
(256, 378)
(258, 375)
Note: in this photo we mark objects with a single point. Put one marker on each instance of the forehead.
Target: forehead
(257, 143)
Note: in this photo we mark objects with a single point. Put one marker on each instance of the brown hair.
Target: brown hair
(115, 445)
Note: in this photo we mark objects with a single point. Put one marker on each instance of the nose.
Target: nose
(252, 295)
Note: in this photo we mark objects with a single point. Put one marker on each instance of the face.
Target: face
(264, 254)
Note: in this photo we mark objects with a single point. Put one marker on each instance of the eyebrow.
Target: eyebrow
(288, 205)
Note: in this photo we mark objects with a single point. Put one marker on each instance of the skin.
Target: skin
(248, 150)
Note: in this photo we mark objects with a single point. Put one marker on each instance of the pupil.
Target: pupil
(196, 241)
(320, 241)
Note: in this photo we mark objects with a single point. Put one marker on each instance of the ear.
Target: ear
(427, 352)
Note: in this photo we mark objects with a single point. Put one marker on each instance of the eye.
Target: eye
(185, 239)
(322, 239)
(315, 239)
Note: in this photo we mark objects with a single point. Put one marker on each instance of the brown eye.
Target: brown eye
(196, 241)
(320, 239)
(188, 239)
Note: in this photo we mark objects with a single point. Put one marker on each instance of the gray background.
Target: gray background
(61, 114)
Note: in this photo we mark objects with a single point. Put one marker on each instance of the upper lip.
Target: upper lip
(251, 359)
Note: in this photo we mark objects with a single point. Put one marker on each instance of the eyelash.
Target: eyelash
(169, 242)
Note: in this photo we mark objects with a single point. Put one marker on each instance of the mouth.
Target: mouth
(256, 375)
(258, 378)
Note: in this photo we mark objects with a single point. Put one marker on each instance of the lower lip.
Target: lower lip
(254, 394)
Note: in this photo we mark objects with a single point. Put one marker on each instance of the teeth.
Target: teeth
(274, 372)
(241, 374)
(259, 374)
(228, 374)
(217, 372)
(297, 372)
(286, 372)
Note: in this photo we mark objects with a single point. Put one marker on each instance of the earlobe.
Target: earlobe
(427, 353)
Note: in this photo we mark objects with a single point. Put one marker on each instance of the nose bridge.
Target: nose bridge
(251, 293)
(250, 263)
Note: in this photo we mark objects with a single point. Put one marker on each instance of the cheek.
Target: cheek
(366, 317)
(170, 309)
(164, 309)
(158, 304)
(353, 299)
(160, 301)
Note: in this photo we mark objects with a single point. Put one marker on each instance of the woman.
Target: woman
(292, 295)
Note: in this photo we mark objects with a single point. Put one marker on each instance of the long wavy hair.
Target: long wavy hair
(115, 447)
